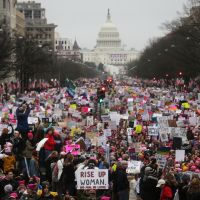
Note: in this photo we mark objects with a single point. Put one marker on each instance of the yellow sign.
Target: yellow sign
(73, 106)
(138, 128)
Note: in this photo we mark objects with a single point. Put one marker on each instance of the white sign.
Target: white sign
(133, 167)
(107, 132)
(129, 131)
(180, 155)
(102, 141)
(193, 121)
(92, 179)
(152, 131)
(90, 121)
(32, 120)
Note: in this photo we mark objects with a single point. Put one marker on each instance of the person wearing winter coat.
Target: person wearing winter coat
(183, 187)
(5, 137)
(120, 183)
(22, 114)
(8, 180)
(193, 192)
(68, 176)
(9, 160)
(150, 181)
(49, 146)
(34, 165)
(169, 189)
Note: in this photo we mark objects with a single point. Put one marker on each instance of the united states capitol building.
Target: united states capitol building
(109, 50)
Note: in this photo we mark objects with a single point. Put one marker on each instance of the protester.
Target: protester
(135, 136)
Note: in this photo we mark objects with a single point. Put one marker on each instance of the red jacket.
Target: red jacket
(167, 193)
(50, 144)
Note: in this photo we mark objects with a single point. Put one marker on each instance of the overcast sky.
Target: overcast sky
(137, 20)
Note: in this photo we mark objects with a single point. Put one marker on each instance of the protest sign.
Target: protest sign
(129, 131)
(100, 126)
(90, 135)
(198, 96)
(105, 118)
(102, 140)
(152, 131)
(132, 153)
(163, 137)
(172, 123)
(32, 120)
(107, 132)
(138, 128)
(90, 121)
(113, 125)
(179, 155)
(161, 160)
(133, 167)
(73, 149)
(92, 179)
(193, 121)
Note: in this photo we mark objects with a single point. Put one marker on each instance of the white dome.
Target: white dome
(108, 37)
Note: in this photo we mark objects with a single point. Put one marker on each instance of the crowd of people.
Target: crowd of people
(151, 123)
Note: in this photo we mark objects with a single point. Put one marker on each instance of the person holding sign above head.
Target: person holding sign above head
(22, 114)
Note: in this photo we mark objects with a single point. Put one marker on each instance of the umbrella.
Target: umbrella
(41, 144)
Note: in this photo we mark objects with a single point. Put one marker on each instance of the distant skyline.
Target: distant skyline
(137, 21)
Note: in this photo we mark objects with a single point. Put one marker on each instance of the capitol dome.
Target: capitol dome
(108, 37)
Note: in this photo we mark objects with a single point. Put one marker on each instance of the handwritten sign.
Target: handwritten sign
(133, 167)
(73, 149)
(92, 179)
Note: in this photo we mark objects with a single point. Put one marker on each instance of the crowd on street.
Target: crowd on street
(136, 139)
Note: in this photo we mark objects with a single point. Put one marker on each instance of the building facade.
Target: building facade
(108, 49)
(8, 14)
(36, 23)
(65, 48)
(20, 23)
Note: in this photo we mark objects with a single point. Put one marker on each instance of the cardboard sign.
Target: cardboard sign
(90, 135)
(180, 155)
(73, 149)
(172, 123)
(92, 179)
(133, 167)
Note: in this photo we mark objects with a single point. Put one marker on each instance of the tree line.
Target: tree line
(25, 59)
(177, 53)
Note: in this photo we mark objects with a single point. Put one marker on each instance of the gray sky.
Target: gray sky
(137, 20)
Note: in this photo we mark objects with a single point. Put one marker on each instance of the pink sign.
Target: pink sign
(73, 149)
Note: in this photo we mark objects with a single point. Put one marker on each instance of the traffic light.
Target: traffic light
(101, 94)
